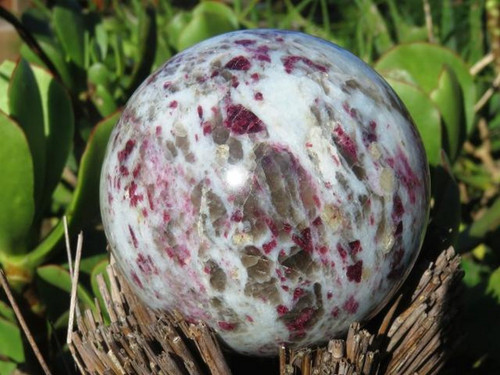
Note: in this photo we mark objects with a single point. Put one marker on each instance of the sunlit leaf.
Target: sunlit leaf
(494, 284)
(99, 74)
(478, 229)
(209, 19)
(6, 69)
(6, 312)
(16, 186)
(424, 62)
(7, 367)
(11, 343)
(426, 117)
(448, 98)
(146, 51)
(103, 100)
(101, 36)
(175, 27)
(69, 28)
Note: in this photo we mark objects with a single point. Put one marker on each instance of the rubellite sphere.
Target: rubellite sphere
(268, 183)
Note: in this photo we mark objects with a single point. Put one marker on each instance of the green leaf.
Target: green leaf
(6, 312)
(6, 69)
(57, 58)
(426, 117)
(11, 343)
(17, 206)
(476, 231)
(146, 51)
(68, 25)
(59, 277)
(7, 368)
(448, 98)
(62, 321)
(424, 62)
(494, 284)
(374, 26)
(209, 19)
(473, 272)
(103, 100)
(84, 207)
(59, 128)
(176, 26)
(99, 74)
(101, 37)
(88, 263)
(26, 107)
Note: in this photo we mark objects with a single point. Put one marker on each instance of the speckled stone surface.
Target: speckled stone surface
(268, 183)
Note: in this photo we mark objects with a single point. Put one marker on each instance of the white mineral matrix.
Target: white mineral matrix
(268, 183)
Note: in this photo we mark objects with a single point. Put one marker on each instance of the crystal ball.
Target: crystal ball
(268, 183)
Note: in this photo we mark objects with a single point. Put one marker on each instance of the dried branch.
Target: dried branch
(416, 334)
(22, 322)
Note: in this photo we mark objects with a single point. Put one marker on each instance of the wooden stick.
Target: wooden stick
(22, 322)
(74, 287)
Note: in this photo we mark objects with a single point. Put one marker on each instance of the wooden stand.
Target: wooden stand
(416, 335)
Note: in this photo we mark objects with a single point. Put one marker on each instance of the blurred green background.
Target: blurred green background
(70, 70)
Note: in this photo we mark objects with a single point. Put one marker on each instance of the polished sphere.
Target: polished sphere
(268, 183)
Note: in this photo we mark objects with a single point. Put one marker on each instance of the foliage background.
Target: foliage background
(81, 60)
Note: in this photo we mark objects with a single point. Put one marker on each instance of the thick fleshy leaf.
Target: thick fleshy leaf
(6, 69)
(102, 40)
(494, 284)
(58, 127)
(69, 27)
(477, 230)
(59, 277)
(98, 74)
(6, 312)
(424, 62)
(17, 206)
(103, 100)
(85, 204)
(209, 19)
(7, 367)
(11, 343)
(176, 26)
(425, 115)
(88, 263)
(57, 58)
(25, 106)
(448, 98)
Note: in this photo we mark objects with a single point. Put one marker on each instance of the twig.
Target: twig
(74, 285)
(428, 21)
(22, 322)
(487, 95)
(481, 64)
(68, 246)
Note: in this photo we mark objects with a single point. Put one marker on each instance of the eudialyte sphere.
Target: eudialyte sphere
(268, 183)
